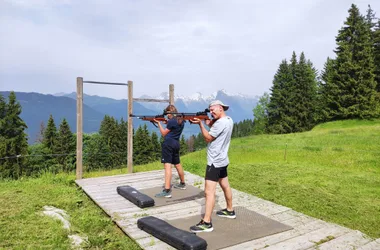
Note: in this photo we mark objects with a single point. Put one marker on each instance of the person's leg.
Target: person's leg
(181, 174)
(210, 187)
(211, 179)
(178, 166)
(225, 185)
(168, 175)
(166, 160)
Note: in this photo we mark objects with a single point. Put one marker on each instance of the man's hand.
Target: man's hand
(195, 120)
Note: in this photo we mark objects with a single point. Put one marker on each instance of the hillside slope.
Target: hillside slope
(331, 172)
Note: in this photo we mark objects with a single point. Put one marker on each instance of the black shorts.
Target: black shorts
(214, 174)
(170, 152)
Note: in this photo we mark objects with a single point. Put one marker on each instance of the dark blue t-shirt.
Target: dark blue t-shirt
(175, 129)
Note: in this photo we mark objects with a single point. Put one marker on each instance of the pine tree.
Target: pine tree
(41, 132)
(326, 92)
(199, 142)
(280, 107)
(97, 154)
(156, 146)
(183, 146)
(353, 77)
(50, 135)
(3, 106)
(376, 54)
(110, 131)
(375, 37)
(260, 114)
(370, 18)
(142, 146)
(306, 95)
(190, 143)
(13, 138)
(65, 145)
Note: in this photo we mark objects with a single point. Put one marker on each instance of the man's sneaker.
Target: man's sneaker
(202, 227)
(164, 193)
(180, 186)
(226, 213)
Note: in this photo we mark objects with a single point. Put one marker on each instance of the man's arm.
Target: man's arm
(205, 133)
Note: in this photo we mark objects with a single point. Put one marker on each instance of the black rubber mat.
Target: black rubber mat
(247, 226)
(178, 195)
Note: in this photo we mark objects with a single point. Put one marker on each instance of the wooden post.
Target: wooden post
(79, 169)
(171, 94)
(130, 128)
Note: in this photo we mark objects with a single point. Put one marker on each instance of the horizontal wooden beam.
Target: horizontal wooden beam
(149, 100)
(108, 83)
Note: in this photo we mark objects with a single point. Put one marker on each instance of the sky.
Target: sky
(197, 45)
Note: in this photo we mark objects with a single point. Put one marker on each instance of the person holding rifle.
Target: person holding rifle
(218, 138)
(170, 149)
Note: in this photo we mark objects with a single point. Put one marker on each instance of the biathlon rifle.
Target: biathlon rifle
(202, 115)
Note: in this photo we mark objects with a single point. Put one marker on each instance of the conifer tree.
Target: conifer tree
(326, 92)
(199, 142)
(156, 146)
(370, 18)
(183, 146)
(110, 132)
(3, 106)
(50, 135)
(353, 78)
(142, 146)
(375, 37)
(260, 114)
(280, 110)
(376, 54)
(306, 95)
(65, 145)
(190, 143)
(13, 138)
(96, 153)
(41, 132)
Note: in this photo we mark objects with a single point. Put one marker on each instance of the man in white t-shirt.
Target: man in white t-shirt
(218, 138)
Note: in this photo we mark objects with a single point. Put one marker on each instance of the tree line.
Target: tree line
(347, 88)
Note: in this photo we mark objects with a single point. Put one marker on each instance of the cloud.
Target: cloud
(200, 46)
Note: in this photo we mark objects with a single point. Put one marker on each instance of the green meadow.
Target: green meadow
(331, 173)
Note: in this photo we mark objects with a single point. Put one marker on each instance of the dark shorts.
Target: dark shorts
(214, 174)
(170, 152)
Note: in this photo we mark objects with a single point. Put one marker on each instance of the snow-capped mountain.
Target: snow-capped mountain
(241, 106)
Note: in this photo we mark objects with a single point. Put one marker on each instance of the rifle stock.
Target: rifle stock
(150, 118)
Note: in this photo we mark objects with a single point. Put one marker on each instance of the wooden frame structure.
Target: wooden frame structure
(79, 153)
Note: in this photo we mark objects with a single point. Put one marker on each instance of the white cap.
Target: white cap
(218, 102)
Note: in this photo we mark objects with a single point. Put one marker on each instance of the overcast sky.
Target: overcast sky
(199, 46)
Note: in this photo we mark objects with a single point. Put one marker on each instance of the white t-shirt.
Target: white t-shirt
(217, 150)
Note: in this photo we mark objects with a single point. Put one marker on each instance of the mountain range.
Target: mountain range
(36, 108)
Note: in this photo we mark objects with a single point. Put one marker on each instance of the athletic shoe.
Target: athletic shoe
(202, 227)
(180, 186)
(227, 214)
(164, 193)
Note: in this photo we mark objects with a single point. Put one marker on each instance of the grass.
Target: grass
(331, 173)
(22, 226)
